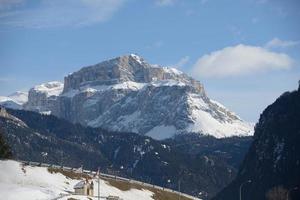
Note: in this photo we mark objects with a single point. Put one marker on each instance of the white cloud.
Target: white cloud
(164, 2)
(277, 43)
(240, 60)
(57, 13)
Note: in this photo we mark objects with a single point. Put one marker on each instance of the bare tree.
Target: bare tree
(277, 193)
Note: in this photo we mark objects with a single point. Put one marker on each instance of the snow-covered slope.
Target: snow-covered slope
(19, 97)
(37, 183)
(15, 100)
(128, 94)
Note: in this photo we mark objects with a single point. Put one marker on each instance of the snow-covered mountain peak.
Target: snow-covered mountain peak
(19, 97)
(15, 100)
(127, 94)
(53, 88)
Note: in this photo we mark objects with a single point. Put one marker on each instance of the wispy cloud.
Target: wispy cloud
(278, 43)
(237, 32)
(56, 13)
(6, 79)
(164, 2)
(182, 62)
(156, 44)
(8, 4)
(240, 60)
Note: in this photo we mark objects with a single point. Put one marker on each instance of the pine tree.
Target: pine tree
(5, 151)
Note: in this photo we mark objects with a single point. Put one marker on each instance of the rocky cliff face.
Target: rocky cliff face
(130, 68)
(43, 98)
(273, 160)
(128, 94)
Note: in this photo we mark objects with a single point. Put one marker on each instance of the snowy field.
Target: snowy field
(37, 183)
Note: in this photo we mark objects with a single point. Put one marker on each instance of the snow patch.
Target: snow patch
(162, 132)
(137, 58)
(172, 70)
(168, 82)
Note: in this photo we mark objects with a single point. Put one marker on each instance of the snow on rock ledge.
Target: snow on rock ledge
(53, 88)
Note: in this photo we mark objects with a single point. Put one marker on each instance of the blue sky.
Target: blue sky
(245, 52)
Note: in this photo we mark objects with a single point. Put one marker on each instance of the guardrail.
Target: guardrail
(89, 172)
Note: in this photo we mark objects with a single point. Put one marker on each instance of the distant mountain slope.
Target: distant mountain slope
(203, 168)
(127, 94)
(273, 160)
(15, 100)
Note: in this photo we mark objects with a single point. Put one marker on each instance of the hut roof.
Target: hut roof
(79, 185)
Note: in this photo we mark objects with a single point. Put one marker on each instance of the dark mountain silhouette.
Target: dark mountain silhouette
(273, 160)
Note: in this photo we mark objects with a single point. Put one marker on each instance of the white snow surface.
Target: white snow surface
(168, 82)
(36, 183)
(53, 88)
(4, 99)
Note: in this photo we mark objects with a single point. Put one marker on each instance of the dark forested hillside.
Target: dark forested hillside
(203, 165)
(5, 151)
(273, 160)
